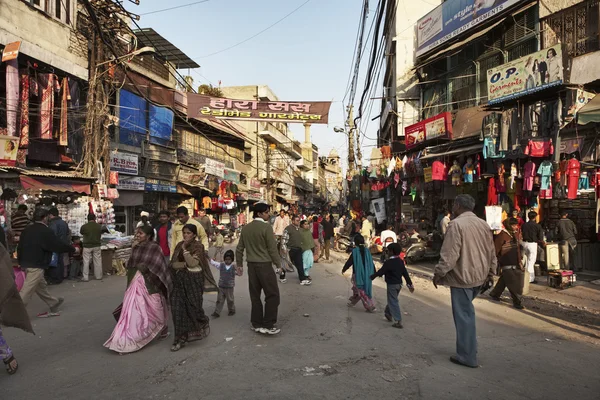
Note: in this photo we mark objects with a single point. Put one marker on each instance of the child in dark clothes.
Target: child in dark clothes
(394, 270)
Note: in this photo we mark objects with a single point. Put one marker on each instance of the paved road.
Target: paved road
(333, 353)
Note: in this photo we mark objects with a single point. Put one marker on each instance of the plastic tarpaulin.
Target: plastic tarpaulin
(161, 122)
(132, 118)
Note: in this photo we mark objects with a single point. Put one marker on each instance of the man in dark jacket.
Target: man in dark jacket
(328, 235)
(508, 253)
(55, 274)
(35, 249)
(566, 232)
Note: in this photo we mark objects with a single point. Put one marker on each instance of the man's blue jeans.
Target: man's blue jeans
(464, 321)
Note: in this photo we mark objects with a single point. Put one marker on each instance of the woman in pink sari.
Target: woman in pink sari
(144, 311)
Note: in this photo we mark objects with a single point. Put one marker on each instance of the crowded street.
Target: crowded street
(342, 199)
(324, 351)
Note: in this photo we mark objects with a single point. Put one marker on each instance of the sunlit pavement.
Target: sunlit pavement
(325, 350)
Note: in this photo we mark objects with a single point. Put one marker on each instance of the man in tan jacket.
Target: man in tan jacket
(467, 260)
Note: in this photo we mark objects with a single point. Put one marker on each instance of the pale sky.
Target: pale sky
(306, 57)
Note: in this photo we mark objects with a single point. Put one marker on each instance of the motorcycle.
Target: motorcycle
(424, 247)
(345, 244)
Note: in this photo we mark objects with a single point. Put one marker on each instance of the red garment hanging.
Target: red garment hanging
(573, 172)
(492, 197)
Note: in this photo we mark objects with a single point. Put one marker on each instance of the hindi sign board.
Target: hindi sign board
(214, 167)
(11, 51)
(124, 163)
(439, 126)
(206, 107)
(526, 75)
(454, 17)
(132, 183)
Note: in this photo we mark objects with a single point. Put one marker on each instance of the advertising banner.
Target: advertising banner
(439, 126)
(11, 51)
(206, 107)
(454, 17)
(8, 150)
(191, 176)
(526, 75)
(214, 167)
(124, 163)
(131, 183)
(232, 176)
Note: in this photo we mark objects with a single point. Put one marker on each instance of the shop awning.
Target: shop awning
(55, 185)
(590, 112)
(461, 150)
(468, 123)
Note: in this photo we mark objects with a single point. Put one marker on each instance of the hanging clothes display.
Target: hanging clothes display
(492, 197)
(63, 138)
(438, 171)
(23, 127)
(573, 172)
(513, 175)
(545, 170)
(46, 116)
(12, 96)
(584, 181)
(539, 148)
(455, 172)
(528, 175)
(468, 171)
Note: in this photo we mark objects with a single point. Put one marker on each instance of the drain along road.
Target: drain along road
(334, 352)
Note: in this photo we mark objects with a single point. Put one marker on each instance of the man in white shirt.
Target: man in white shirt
(388, 236)
(281, 222)
(444, 222)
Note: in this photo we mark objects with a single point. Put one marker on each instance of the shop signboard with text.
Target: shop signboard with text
(132, 183)
(232, 176)
(255, 185)
(437, 127)
(155, 185)
(526, 75)
(124, 163)
(214, 167)
(454, 17)
(206, 107)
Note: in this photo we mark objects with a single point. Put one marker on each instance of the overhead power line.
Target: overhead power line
(257, 34)
(176, 7)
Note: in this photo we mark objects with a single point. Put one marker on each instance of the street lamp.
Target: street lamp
(139, 52)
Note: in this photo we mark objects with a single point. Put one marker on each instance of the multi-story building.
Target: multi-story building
(507, 93)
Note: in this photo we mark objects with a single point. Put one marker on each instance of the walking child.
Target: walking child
(394, 269)
(228, 271)
(219, 244)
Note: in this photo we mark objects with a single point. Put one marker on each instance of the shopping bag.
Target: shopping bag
(19, 277)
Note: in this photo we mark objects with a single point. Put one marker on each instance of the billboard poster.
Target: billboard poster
(454, 17)
(8, 150)
(214, 167)
(132, 183)
(437, 127)
(206, 107)
(525, 75)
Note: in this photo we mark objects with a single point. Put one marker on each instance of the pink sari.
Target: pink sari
(143, 317)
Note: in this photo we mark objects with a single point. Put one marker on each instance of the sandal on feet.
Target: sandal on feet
(11, 365)
(177, 346)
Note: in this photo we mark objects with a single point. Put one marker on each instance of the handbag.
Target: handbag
(117, 312)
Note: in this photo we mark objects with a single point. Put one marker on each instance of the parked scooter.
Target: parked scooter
(424, 247)
(346, 244)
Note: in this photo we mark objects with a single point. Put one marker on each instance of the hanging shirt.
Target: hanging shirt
(468, 172)
(545, 170)
(541, 148)
(528, 175)
(206, 202)
(438, 171)
(573, 172)
(584, 181)
(490, 148)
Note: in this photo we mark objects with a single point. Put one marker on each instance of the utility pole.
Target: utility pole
(350, 125)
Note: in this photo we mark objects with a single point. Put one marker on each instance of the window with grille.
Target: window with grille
(576, 27)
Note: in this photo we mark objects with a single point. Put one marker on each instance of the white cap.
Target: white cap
(144, 214)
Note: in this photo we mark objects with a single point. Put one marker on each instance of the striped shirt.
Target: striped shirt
(18, 223)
